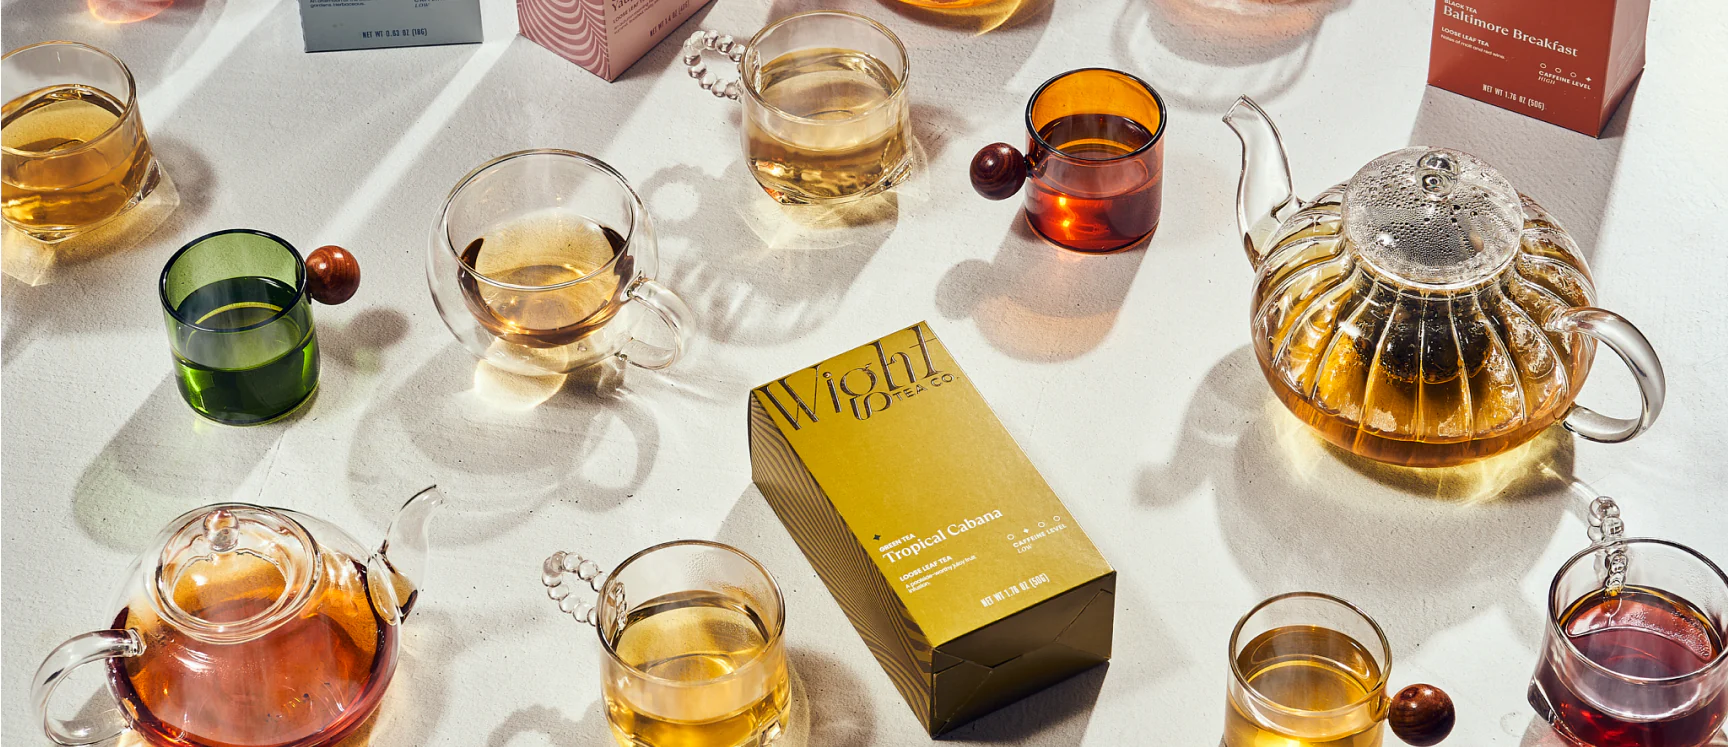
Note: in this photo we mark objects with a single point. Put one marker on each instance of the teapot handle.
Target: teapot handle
(1626, 341)
(85, 649)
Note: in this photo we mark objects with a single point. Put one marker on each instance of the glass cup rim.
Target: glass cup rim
(1560, 635)
(749, 79)
(126, 112)
(1157, 135)
(637, 210)
(299, 280)
(774, 636)
(1376, 691)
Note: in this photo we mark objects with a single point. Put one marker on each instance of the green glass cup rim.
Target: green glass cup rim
(299, 280)
(1157, 135)
(130, 109)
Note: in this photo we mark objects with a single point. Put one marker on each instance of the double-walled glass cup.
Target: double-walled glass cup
(1310, 670)
(75, 154)
(692, 632)
(1094, 159)
(238, 305)
(826, 118)
(1640, 663)
(541, 262)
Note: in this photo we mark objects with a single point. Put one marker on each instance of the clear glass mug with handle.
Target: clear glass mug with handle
(826, 118)
(543, 262)
(692, 635)
(1633, 652)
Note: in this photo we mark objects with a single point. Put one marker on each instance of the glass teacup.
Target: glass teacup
(1094, 161)
(540, 261)
(826, 118)
(75, 153)
(1310, 670)
(692, 632)
(1633, 650)
(238, 305)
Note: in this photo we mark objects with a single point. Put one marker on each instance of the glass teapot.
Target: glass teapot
(245, 626)
(1423, 313)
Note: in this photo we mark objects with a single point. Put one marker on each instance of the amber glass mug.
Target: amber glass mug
(1094, 157)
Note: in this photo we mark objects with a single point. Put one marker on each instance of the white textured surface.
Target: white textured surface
(1126, 378)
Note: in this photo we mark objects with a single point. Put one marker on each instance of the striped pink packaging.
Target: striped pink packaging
(604, 37)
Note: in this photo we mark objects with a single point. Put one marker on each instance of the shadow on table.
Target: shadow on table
(757, 272)
(1057, 714)
(164, 461)
(500, 445)
(1300, 514)
(1039, 302)
(1568, 173)
(1202, 54)
(114, 268)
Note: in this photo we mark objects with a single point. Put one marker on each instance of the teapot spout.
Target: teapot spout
(1265, 192)
(398, 569)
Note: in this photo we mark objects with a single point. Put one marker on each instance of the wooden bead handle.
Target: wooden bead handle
(332, 275)
(1422, 715)
(998, 170)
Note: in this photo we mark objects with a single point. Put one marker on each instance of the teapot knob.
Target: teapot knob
(998, 171)
(220, 531)
(1422, 715)
(332, 275)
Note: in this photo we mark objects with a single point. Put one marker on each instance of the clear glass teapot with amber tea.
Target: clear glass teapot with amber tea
(246, 626)
(1424, 313)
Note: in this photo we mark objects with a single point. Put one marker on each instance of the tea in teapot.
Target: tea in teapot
(247, 626)
(1424, 313)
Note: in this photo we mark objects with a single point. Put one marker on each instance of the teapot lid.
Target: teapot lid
(1433, 217)
(231, 572)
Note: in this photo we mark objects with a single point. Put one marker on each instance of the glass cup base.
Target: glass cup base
(892, 180)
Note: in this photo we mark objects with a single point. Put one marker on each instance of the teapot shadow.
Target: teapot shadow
(501, 446)
(786, 283)
(1202, 55)
(1039, 302)
(1298, 513)
(1569, 174)
(164, 461)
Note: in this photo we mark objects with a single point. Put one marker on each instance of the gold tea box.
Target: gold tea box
(957, 564)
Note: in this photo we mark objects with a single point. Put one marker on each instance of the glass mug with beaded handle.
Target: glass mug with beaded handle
(826, 117)
(692, 632)
(1633, 651)
(543, 262)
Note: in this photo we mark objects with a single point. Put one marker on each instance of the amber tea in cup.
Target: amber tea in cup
(825, 117)
(75, 153)
(1310, 670)
(1635, 659)
(541, 260)
(692, 636)
(1094, 160)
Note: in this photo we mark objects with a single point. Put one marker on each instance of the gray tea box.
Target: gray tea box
(332, 25)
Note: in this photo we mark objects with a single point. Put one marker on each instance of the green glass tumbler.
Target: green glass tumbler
(238, 304)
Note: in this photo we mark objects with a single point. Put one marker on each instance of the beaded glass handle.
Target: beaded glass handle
(1609, 531)
(713, 41)
(552, 574)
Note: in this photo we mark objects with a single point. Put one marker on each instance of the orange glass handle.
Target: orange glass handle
(998, 171)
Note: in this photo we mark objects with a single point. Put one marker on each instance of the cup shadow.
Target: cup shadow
(786, 283)
(1568, 173)
(1298, 513)
(1038, 302)
(500, 445)
(163, 462)
(1202, 55)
